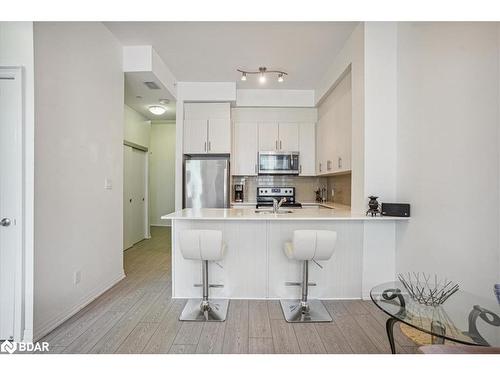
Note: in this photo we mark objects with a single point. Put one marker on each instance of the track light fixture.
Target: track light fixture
(262, 74)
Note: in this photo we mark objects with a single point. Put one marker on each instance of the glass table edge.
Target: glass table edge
(422, 329)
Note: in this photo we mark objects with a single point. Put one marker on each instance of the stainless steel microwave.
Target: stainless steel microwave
(274, 162)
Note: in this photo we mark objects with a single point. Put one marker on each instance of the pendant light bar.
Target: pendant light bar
(262, 74)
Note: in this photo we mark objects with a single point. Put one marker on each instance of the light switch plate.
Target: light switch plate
(108, 184)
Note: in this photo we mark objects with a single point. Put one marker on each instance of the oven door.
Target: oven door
(278, 162)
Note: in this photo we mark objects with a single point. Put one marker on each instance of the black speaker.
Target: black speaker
(396, 209)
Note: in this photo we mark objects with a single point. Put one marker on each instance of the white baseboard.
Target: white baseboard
(160, 225)
(47, 327)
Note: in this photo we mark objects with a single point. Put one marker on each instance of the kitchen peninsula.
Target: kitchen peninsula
(255, 266)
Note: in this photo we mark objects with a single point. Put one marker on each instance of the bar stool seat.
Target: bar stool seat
(205, 246)
(308, 245)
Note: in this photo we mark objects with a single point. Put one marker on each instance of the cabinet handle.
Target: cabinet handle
(255, 168)
(209, 146)
(340, 163)
(328, 165)
(205, 146)
(320, 167)
(300, 169)
(280, 146)
(277, 145)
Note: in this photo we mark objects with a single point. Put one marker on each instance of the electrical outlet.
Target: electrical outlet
(77, 277)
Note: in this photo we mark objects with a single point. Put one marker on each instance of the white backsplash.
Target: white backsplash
(305, 187)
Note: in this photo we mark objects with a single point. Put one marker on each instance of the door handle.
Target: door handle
(5, 222)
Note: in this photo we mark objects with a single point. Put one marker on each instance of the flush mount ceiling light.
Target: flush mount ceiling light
(157, 110)
(262, 74)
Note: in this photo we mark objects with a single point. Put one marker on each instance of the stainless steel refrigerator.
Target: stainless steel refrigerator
(206, 183)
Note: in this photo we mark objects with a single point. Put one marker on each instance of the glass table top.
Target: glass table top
(463, 317)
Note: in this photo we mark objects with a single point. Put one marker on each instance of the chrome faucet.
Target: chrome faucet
(277, 205)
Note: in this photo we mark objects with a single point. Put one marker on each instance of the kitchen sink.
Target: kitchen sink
(272, 212)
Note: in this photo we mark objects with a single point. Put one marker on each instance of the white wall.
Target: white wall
(136, 127)
(161, 172)
(16, 49)
(352, 54)
(78, 143)
(447, 142)
(274, 98)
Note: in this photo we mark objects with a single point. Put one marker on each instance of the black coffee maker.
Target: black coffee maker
(238, 193)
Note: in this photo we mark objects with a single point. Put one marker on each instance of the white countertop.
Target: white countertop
(314, 212)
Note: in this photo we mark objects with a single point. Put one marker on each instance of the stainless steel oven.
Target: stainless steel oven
(274, 162)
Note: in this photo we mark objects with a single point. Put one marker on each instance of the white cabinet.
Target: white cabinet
(288, 136)
(195, 136)
(245, 148)
(268, 136)
(334, 130)
(307, 147)
(207, 128)
(219, 136)
(278, 137)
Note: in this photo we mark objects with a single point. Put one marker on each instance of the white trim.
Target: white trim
(49, 326)
(160, 225)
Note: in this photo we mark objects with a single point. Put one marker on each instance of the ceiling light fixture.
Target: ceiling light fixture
(157, 110)
(262, 74)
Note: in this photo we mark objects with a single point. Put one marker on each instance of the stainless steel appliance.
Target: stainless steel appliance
(266, 196)
(277, 162)
(206, 183)
(238, 193)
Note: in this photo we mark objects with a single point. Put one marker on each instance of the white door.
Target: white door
(139, 194)
(268, 136)
(11, 125)
(195, 137)
(127, 197)
(245, 149)
(307, 149)
(288, 136)
(219, 136)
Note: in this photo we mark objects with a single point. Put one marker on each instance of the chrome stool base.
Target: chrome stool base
(217, 311)
(294, 313)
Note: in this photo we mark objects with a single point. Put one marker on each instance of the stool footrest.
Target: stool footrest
(210, 285)
(290, 283)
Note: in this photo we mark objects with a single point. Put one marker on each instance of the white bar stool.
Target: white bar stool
(204, 245)
(308, 245)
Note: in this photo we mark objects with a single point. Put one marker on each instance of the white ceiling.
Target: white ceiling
(139, 97)
(212, 51)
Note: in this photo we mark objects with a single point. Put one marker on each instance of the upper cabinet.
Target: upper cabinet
(334, 130)
(207, 128)
(307, 147)
(245, 149)
(279, 136)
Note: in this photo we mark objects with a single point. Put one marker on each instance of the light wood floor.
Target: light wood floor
(139, 316)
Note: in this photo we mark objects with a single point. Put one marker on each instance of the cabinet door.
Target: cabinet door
(321, 147)
(245, 149)
(288, 136)
(268, 136)
(219, 136)
(195, 136)
(307, 149)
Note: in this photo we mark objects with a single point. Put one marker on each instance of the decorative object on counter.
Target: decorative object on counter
(497, 292)
(318, 195)
(421, 288)
(374, 206)
(262, 74)
(396, 209)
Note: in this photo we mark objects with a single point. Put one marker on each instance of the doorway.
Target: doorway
(135, 194)
(11, 200)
